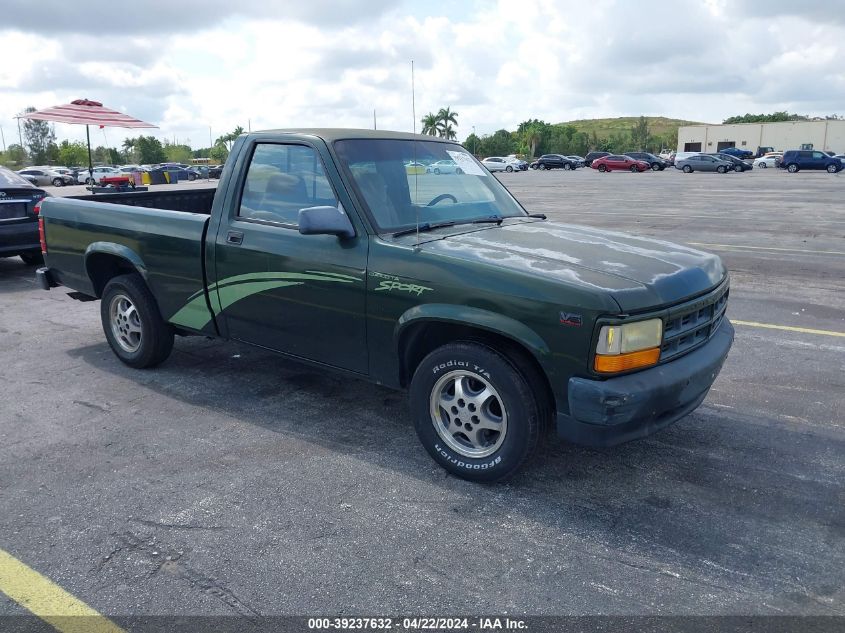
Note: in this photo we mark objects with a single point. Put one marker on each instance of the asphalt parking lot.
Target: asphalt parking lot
(232, 482)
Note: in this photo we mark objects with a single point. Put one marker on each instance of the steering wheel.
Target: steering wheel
(441, 198)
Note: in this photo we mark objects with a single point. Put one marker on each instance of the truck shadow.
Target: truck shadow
(730, 495)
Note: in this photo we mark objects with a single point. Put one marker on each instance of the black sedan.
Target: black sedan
(18, 220)
(214, 171)
(182, 173)
(739, 164)
(555, 161)
(655, 162)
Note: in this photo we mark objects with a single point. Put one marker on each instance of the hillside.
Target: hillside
(605, 128)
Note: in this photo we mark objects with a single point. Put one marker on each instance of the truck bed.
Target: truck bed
(165, 243)
(189, 200)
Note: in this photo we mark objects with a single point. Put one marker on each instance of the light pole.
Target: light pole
(474, 140)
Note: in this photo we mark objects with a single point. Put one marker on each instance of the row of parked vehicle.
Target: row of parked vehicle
(64, 176)
(791, 160)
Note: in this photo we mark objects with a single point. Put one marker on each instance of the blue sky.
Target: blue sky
(187, 66)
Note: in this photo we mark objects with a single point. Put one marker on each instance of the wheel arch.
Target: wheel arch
(106, 260)
(423, 329)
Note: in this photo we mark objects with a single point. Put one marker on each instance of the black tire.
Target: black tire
(687, 169)
(567, 166)
(762, 166)
(721, 169)
(541, 167)
(509, 169)
(655, 167)
(58, 182)
(792, 168)
(459, 171)
(476, 364)
(32, 259)
(602, 168)
(90, 181)
(192, 177)
(634, 169)
(832, 169)
(155, 337)
(437, 171)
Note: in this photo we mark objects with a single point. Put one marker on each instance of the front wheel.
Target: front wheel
(831, 169)
(509, 169)
(634, 169)
(567, 166)
(721, 169)
(132, 323)
(655, 167)
(762, 165)
(58, 182)
(541, 167)
(474, 412)
(436, 171)
(687, 169)
(89, 181)
(602, 168)
(459, 171)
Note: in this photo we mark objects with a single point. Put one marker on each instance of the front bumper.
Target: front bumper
(609, 412)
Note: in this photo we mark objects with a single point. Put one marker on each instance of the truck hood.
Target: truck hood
(639, 273)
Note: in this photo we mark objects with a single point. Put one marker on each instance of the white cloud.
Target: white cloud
(331, 63)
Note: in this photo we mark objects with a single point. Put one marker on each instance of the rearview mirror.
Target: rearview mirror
(325, 221)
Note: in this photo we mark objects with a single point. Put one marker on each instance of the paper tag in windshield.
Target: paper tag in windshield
(466, 163)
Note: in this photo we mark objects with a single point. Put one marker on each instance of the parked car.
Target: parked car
(215, 171)
(499, 323)
(655, 162)
(555, 161)
(739, 165)
(444, 167)
(682, 155)
(183, 173)
(765, 162)
(703, 162)
(43, 176)
(736, 151)
(619, 162)
(795, 160)
(579, 160)
(763, 150)
(498, 163)
(590, 157)
(518, 163)
(86, 177)
(18, 217)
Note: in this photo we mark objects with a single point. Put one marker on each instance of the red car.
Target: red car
(617, 162)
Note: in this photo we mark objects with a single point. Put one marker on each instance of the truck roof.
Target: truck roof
(336, 134)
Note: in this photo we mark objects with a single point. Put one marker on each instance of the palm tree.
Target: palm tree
(430, 124)
(446, 118)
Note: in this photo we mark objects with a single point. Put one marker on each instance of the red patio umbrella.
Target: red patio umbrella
(86, 112)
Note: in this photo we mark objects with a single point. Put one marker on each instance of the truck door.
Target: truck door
(299, 294)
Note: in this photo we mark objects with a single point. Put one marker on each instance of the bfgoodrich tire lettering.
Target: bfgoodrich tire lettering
(132, 323)
(493, 391)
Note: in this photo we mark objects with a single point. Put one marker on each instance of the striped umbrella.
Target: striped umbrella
(86, 112)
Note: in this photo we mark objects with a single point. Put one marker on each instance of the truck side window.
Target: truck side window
(281, 180)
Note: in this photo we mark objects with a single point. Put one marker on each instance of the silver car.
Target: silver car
(497, 163)
(703, 162)
(444, 167)
(43, 177)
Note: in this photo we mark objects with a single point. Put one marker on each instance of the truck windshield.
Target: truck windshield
(405, 181)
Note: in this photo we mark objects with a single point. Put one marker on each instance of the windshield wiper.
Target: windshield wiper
(422, 228)
(490, 220)
(541, 216)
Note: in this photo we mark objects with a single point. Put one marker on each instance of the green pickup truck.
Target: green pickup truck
(334, 247)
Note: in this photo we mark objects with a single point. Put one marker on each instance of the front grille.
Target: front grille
(692, 323)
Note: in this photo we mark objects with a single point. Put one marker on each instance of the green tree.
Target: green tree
(14, 157)
(219, 153)
(146, 150)
(176, 153)
(230, 138)
(430, 124)
(500, 143)
(39, 135)
(446, 120)
(533, 134)
(75, 153)
(641, 135)
(774, 117)
(472, 143)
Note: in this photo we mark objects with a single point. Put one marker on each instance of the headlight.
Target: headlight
(628, 346)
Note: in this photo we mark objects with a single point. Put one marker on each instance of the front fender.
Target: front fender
(473, 317)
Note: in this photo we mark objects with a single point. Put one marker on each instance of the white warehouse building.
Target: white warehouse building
(822, 135)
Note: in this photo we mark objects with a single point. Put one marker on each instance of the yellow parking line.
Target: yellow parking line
(48, 601)
(766, 248)
(788, 328)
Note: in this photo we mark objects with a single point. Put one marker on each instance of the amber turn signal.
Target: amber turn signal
(611, 364)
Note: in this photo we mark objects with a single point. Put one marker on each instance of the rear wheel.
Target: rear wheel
(132, 323)
(602, 168)
(762, 165)
(474, 412)
(687, 169)
(792, 168)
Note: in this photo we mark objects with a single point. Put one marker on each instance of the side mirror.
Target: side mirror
(325, 221)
